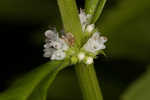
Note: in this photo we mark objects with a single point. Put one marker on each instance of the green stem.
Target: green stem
(88, 82)
(70, 18)
(86, 74)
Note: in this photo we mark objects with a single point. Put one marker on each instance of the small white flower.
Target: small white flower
(81, 56)
(60, 44)
(90, 28)
(89, 60)
(64, 45)
(89, 16)
(51, 35)
(84, 19)
(95, 43)
(48, 52)
(58, 55)
(55, 47)
(104, 39)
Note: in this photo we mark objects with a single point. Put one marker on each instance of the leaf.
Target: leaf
(140, 89)
(127, 28)
(40, 93)
(94, 8)
(124, 12)
(65, 87)
(24, 86)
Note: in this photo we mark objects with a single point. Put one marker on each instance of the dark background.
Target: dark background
(23, 22)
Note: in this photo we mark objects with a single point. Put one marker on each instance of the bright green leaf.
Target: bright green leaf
(40, 93)
(140, 89)
(24, 86)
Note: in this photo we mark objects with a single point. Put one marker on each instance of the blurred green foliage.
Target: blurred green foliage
(127, 26)
(140, 89)
(125, 22)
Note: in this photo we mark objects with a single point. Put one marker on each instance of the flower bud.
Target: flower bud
(89, 60)
(81, 56)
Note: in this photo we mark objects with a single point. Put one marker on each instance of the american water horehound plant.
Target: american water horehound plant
(78, 45)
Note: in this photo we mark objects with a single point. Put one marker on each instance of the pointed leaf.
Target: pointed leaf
(40, 92)
(127, 29)
(23, 87)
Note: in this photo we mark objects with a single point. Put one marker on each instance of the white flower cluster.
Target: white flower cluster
(84, 21)
(55, 47)
(88, 60)
(95, 43)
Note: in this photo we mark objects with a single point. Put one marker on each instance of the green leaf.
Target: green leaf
(94, 8)
(124, 12)
(140, 89)
(35, 82)
(127, 29)
(70, 18)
